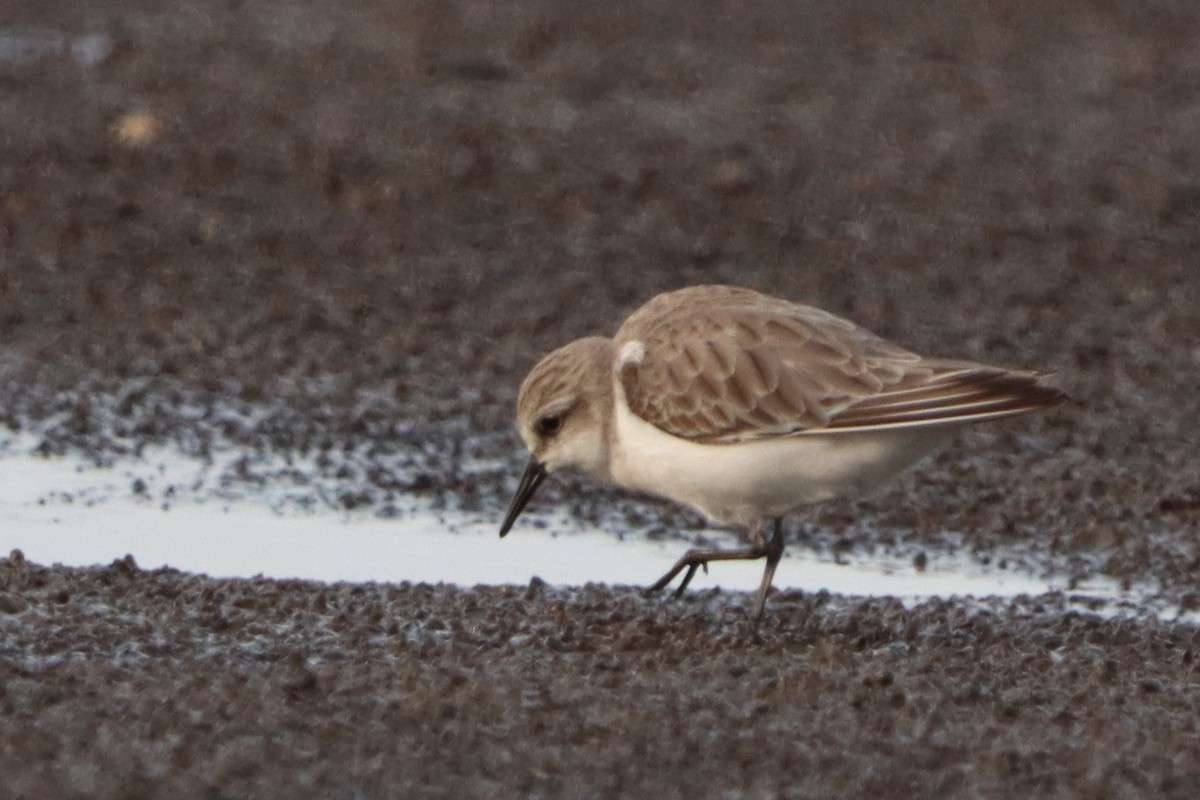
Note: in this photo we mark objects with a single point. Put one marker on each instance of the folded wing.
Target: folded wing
(722, 364)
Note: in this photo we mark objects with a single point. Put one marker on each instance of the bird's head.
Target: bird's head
(562, 416)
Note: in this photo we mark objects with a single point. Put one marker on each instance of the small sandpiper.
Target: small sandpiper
(748, 407)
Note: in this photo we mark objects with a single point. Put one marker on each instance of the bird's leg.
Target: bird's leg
(773, 552)
(699, 557)
(694, 559)
(688, 577)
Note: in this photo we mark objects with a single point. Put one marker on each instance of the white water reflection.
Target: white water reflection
(58, 511)
(246, 541)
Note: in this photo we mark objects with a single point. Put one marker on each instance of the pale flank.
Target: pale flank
(747, 407)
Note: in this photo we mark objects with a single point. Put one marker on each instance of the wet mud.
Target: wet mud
(345, 231)
(123, 683)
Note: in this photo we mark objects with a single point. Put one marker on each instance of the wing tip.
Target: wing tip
(995, 394)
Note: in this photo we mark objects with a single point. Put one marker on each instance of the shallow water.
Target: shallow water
(61, 510)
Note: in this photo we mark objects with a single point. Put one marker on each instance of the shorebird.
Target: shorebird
(747, 408)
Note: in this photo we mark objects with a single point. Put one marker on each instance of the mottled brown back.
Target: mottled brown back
(725, 364)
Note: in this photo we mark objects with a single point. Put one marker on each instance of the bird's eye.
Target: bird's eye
(549, 424)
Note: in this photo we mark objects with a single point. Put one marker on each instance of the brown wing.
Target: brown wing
(722, 364)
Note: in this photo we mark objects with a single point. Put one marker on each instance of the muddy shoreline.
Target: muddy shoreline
(119, 682)
(344, 232)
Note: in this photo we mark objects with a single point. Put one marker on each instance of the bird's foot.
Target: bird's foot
(693, 560)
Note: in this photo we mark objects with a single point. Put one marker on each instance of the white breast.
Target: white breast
(743, 483)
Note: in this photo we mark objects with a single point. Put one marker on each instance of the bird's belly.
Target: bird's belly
(742, 483)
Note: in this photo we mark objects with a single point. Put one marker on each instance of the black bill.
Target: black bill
(535, 473)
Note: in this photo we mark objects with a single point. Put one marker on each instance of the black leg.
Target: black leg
(688, 578)
(774, 551)
(692, 560)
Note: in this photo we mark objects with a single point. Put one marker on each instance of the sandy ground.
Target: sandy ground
(329, 228)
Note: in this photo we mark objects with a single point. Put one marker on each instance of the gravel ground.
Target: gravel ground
(149, 684)
(348, 229)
